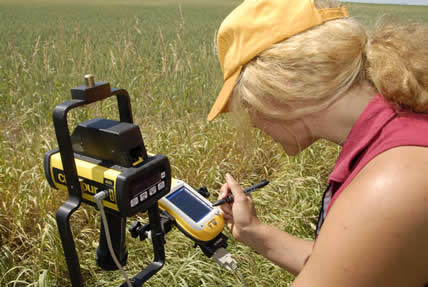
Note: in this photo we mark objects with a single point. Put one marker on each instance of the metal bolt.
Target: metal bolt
(89, 80)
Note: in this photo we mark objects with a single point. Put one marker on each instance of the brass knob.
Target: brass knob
(89, 80)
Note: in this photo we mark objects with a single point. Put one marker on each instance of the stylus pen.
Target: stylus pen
(229, 198)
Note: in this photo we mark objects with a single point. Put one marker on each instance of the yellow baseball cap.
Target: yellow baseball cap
(254, 26)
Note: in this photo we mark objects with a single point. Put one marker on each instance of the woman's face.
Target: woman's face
(293, 135)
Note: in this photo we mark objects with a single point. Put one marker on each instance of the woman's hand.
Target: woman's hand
(281, 248)
(240, 214)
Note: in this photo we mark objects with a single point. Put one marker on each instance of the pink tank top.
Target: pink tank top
(379, 128)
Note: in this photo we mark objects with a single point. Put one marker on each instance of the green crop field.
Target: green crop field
(163, 53)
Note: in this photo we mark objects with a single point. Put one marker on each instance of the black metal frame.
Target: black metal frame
(81, 96)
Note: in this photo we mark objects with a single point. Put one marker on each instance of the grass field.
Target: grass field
(163, 53)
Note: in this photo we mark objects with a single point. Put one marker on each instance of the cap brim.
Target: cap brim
(220, 105)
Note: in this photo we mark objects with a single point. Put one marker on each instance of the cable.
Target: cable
(225, 259)
(240, 276)
(98, 199)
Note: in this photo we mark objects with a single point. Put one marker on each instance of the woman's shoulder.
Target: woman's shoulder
(377, 231)
(397, 177)
(400, 167)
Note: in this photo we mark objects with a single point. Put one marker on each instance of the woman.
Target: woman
(305, 71)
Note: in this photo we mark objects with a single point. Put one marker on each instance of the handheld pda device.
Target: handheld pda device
(194, 214)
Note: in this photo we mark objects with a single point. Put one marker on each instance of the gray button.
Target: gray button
(134, 201)
(161, 185)
(143, 196)
(152, 190)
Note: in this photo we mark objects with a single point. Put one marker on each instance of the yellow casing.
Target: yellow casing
(91, 175)
(209, 230)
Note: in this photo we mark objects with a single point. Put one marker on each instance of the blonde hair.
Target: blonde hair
(309, 71)
(397, 64)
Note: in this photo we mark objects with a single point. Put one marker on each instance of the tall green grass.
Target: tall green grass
(163, 53)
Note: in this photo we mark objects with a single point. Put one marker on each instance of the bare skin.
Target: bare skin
(376, 234)
(285, 250)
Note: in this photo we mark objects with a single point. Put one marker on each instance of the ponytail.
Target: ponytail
(397, 64)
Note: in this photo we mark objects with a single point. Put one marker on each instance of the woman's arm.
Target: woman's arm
(281, 248)
(376, 233)
(287, 251)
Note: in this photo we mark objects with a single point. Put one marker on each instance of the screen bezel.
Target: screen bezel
(197, 226)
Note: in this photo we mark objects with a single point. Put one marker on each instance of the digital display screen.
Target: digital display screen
(189, 203)
(144, 182)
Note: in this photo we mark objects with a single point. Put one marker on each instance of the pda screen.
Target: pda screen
(189, 204)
